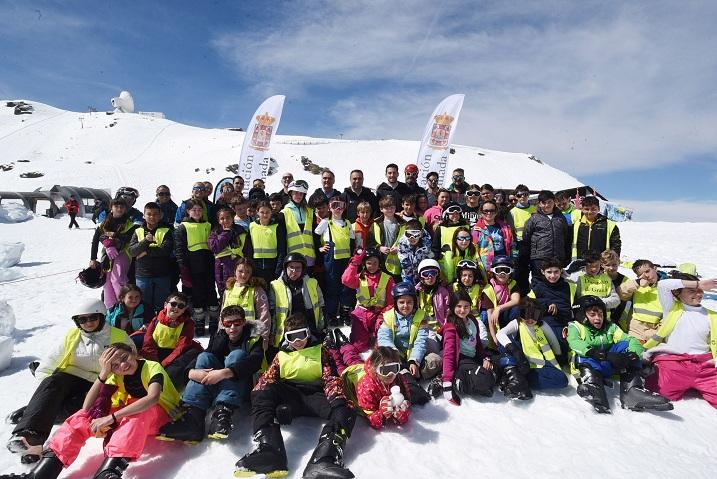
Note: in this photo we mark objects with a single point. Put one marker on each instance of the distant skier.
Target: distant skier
(72, 207)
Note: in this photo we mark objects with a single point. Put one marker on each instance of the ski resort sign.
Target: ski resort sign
(436, 142)
(254, 160)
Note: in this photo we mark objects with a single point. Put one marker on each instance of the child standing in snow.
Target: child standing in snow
(387, 231)
(363, 224)
(228, 242)
(268, 239)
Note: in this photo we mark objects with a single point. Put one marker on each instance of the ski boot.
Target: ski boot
(635, 397)
(327, 461)
(221, 423)
(213, 320)
(269, 456)
(592, 389)
(341, 338)
(27, 444)
(329, 342)
(112, 468)
(49, 467)
(284, 415)
(189, 428)
(515, 385)
(435, 387)
(199, 318)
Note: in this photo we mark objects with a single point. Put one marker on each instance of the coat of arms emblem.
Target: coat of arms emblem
(261, 136)
(441, 131)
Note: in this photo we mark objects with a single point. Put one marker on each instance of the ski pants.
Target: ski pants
(303, 400)
(155, 290)
(228, 391)
(201, 268)
(56, 393)
(127, 439)
(364, 325)
(335, 294)
(605, 367)
(678, 373)
(547, 377)
(347, 355)
(116, 278)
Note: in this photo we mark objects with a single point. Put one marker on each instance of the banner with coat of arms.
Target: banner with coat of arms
(254, 160)
(436, 142)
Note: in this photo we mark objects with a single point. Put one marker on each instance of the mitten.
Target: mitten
(112, 252)
(386, 407)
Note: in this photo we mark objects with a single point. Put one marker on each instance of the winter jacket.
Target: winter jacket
(593, 237)
(201, 257)
(452, 349)
(72, 206)
(370, 390)
(484, 242)
(400, 340)
(141, 316)
(208, 214)
(557, 293)
(169, 211)
(250, 342)
(330, 383)
(219, 240)
(546, 237)
(363, 234)
(439, 306)
(351, 278)
(602, 338)
(410, 257)
(352, 200)
(122, 230)
(438, 244)
(157, 260)
(185, 342)
(433, 217)
(384, 189)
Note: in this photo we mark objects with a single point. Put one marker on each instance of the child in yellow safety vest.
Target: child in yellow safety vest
(249, 291)
(229, 242)
(610, 262)
(470, 279)
(593, 281)
(268, 239)
(301, 381)
(387, 231)
(529, 350)
(647, 311)
(461, 248)
(684, 348)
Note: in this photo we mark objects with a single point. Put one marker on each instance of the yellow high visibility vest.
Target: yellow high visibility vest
(520, 216)
(389, 319)
(263, 239)
(283, 306)
(299, 240)
(668, 325)
(646, 305)
(536, 346)
(378, 300)
(158, 236)
(237, 252)
(72, 338)
(449, 262)
(197, 235)
(168, 398)
(393, 265)
(340, 237)
(576, 229)
(446, 233)
(303, 366)
(241, 296)
(165, 336)
(490, 292)
(598, 285)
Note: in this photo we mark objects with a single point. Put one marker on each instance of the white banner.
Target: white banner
(437, 138)
(254, 159)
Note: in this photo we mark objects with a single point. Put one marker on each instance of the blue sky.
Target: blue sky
(620, 94)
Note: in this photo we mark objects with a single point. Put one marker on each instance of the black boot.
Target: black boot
(213, 320)
(284, 414)
(515, 385)
(15, 416)
(199, 318)
(635, 397)
(341, 338)
(28, 444)
(329, 342)
(345, 315)
(327, 461)
(269, 456)
(592, 389)
(112, 468)
(221, 424)
(188, 428)
(49, 467)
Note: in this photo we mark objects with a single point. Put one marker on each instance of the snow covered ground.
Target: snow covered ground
(556, 434)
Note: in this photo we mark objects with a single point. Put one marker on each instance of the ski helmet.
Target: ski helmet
(404, 288)
(371, 253)
(90, 306)
(468, 264)
(92, 277)
(451, 207)
(299, 186)
(583, 303)
(295, 258)
(502, 261)
(428, 264)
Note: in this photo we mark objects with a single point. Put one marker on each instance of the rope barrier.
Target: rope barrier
(20, 280)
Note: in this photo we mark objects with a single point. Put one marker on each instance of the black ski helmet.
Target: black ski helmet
(295, 258)
(404, 288)
(371, 253)
(583, 303)
(502, 261)
(92, 277)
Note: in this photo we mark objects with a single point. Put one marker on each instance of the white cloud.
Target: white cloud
(674, 210)
(608, 85)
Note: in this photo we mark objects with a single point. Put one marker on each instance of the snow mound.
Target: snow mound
(7, 319)
(10, 253)
(9, 274)
(6, 346)
(14, 213)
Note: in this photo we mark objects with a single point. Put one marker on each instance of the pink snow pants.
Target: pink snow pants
(116, 278)
(127, 440)
(678, 373)
(364, 325)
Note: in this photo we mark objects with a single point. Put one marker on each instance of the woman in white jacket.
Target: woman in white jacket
(65, 376)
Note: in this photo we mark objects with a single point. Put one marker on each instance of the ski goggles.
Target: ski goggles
(472, 193)
(337, 205)
(467, 263)
(232, 323)
(503, 270)
(387, 369)
(429, 273)
(463, 238)
(297, 335)
(198, 188)
(458, 177)
(177, 304)
(87, 318)
(453, 209)
(128, 191)
(413, 234)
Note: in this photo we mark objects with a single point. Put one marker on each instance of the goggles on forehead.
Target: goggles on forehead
(503, 270)
(387, 369)
(297, 335)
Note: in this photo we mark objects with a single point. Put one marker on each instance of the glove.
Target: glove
(107, 242)
(357, 260)
(596, 354)
(386, 407)
(448, 394)
(185, 276)
(619, 361)
(402, 407)
(112, 252)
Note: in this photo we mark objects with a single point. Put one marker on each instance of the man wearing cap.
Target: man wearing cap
(412, 186)
(356, 193)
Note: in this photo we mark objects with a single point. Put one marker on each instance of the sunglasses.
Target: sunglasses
(230, 324)
(164, 193)
(413, 234)
(429, 273)
(409, 174)
(177, 304)
(521, 195)
(458, 177)
(199, 188)
(503, 270)
(297, 335)
(472, 193)
(387, 369)
(87, 318)
(488, 212)
(432, 180)
(288, 178)
(463, 238)
(453, 209)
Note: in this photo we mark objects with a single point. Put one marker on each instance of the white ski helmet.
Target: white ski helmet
(300, 186)
(89, 306)
(428, 264)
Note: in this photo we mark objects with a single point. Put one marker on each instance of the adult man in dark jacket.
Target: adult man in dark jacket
(356, 193)
(392, 187)
(546, 234)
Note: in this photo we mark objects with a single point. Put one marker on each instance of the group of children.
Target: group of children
(433, 312)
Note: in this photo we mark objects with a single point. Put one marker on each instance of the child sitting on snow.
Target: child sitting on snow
(593, 281)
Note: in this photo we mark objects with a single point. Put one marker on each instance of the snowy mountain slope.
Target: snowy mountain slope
(96, 149)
